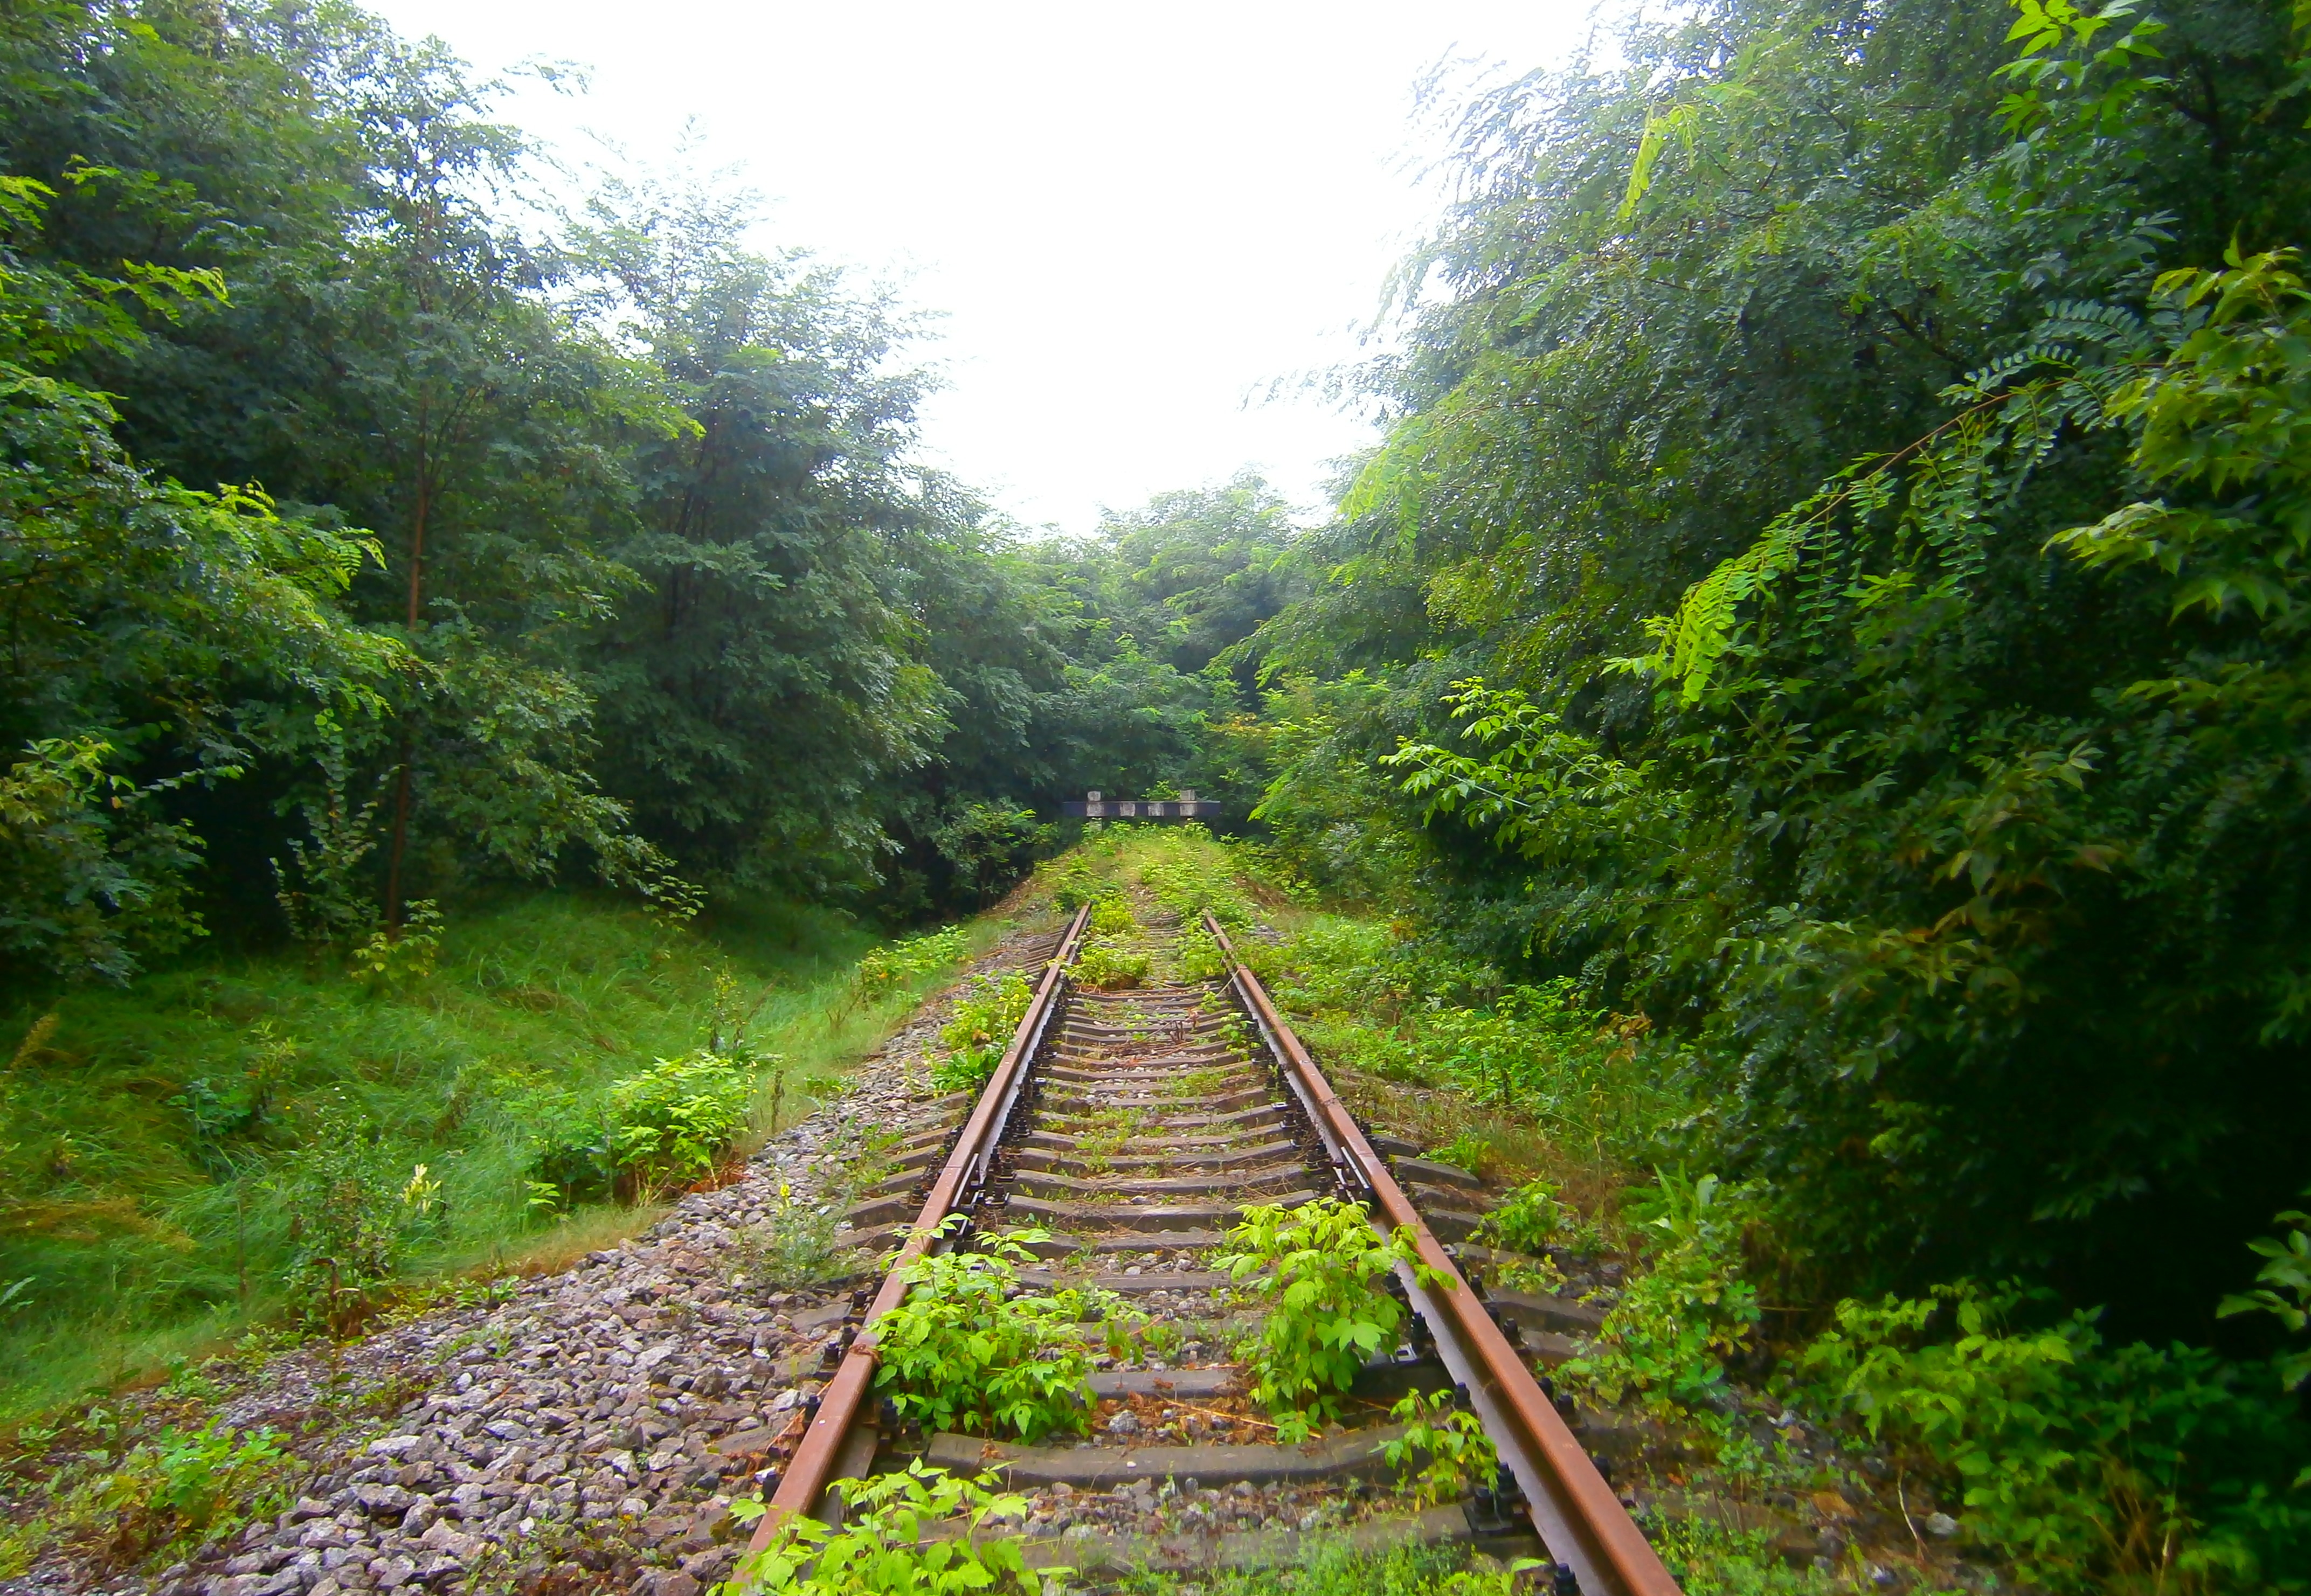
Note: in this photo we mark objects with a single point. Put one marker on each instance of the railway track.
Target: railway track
(1134, 1127)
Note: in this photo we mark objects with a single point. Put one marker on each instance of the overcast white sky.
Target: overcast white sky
(1133, 218)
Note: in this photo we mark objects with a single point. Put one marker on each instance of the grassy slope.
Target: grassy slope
(142, 1240)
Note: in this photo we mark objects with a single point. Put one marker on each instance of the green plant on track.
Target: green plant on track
(1324, 1270)
(967, 1351)
(1113, 917)
(984, 1019)
(2078, 1461)
(1106, 968)
(1468, 1151)
(163, 1496)
(795, 1245)
(1191, 874)
(1450, 1444)
(880, 1551)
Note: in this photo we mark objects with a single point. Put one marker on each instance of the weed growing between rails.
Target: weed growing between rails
(881, 1551)
(967, 1351)
(1337, 1570)
(151, 1202)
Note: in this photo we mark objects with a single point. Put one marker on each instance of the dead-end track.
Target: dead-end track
(1135, 1127)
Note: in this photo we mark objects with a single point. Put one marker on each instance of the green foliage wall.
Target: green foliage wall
(1956, 856)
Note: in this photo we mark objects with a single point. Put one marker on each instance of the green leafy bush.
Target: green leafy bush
(984, 1018)
(163, 1496)
(1107, 968)
(795, 1245)
(1707, 1556)
(1196, 954)
(1073, 881)
(1448, 1442)
(670, 1125)
(1687, 1310)
(1191, 876)
(2283, 1290)
(2092, 1468)
(881, 1549)
(1113, 917)
(404, 954)
(1534, 1219)
(965, 1351)
(1324, 1271)
(896, 965)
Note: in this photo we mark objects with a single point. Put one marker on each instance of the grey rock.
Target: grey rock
(1939, 1525)
(383, 1500)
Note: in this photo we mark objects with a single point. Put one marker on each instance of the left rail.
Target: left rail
(806, 1476)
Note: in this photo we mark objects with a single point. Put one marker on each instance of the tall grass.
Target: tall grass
(144, 1132)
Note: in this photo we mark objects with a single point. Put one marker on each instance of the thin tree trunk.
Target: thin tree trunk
(400, 848)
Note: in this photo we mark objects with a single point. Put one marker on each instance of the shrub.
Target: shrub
(981, 1029)
(1073, 883)
(1196, 954)
(1113, 917)
(794, 1245)
(1106, 968)
(1190, 875)
(2089, 1467)
(1324, 1270)
(1686, 1311)
(406, 954)
(670, 1125)
(2283, 1290)
(1454, 1451)
(1534, 1219)
(894, 965)
(962, 1351)
(180, 1487)
(880, 1551)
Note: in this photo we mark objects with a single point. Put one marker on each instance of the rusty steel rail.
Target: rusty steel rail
(1575, 1511)
(805, 1479)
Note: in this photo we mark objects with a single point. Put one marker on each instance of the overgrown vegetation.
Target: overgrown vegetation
(236, 1139)
(1805, 694)
(985, 1017)
(968, 1350)
(160, 1496)
(880, 1551)
(1335, 1570)
(1325, 1274)
(1788, 752)
(1447, 1443)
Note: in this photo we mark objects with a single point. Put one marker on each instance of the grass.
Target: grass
(1337, 1571)
(144, 1132)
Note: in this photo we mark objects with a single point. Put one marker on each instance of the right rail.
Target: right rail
(1573, 1510)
